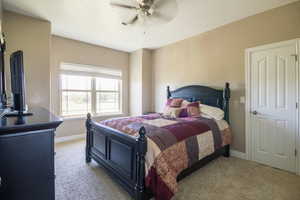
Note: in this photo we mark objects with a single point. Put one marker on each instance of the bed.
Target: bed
(126, 156)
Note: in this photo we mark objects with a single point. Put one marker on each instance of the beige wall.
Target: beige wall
(140, 81)
(147, 97)
(217, 56)
(71, 51)
(33, 37)
(1, 13)
(135, 82)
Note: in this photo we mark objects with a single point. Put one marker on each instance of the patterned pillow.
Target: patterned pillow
(190, 109)
(183, 112)
(172, 112)
(185, 103)
(193, 109)
(174, 103)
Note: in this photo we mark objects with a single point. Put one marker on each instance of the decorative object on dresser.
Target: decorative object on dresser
(27, 156)
(123, 155)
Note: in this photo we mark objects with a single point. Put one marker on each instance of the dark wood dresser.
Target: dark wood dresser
(27, 156)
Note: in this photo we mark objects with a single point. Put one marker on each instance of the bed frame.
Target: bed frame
(123, 156)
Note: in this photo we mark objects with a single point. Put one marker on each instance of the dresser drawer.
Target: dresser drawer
(27, 166)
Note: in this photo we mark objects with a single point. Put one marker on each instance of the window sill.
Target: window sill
(94, 116)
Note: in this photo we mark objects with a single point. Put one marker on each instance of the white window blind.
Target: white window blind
(89, 70)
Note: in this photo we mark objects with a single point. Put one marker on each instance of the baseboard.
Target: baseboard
(69, 138)
(238, 154)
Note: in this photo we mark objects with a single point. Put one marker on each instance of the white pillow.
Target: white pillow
(213, 112)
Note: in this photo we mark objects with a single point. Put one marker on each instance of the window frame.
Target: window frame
(93, 91)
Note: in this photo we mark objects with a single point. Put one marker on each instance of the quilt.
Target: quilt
(174, 144)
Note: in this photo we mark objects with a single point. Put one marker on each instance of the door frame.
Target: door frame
(249, 140)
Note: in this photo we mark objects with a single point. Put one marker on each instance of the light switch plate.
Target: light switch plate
(242, 99)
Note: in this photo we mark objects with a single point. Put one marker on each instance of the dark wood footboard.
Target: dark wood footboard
(122, 155)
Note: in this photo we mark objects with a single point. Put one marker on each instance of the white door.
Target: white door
(273, 106)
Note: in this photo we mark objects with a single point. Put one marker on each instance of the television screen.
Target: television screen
(17, 80)
(2, 74)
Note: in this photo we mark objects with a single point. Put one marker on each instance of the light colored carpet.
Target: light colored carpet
(226, 179)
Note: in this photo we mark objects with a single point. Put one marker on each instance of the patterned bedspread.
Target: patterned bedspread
(174, 144)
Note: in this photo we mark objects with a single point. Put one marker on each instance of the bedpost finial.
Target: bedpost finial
(227, 85)
(88, 120)
(89, 116)
(142, 132)
(168, 92)
(88, 124)
(226, 94)
(142, 141)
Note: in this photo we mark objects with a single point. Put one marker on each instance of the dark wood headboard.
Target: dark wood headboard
(207, 95)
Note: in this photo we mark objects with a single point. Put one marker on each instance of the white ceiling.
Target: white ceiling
(96, 22)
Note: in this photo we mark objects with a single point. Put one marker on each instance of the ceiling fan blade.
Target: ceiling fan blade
(160, 3)
(123, 6)
(162, 16)
(165, 9)
(131, 21)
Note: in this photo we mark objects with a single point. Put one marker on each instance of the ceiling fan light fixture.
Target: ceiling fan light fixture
(145, 2)
(154, 11)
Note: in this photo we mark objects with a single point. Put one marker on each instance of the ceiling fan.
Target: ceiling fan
(155, 10)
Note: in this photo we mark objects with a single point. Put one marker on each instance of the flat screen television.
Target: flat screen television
(2, 74)
(18, 81)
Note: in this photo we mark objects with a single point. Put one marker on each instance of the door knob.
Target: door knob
(254, 112)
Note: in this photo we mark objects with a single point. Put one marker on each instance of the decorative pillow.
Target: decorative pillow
(213, 112)
(174, 103)
(183, 112)
(193, 109)
(172, 112)
(190, 109)
(185, 103)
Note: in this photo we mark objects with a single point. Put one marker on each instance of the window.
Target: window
(89, 91)
(107, 95)
(76, 98)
